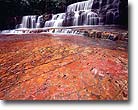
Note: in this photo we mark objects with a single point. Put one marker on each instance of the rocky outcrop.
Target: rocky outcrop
(114, 36)
(94, 33)
(97, 12)
(112, 11)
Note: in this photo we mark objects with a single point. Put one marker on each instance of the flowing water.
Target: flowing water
(77, 14)
(56, 20)
(82, 15)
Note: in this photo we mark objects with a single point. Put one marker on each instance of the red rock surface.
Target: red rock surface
(62, 67)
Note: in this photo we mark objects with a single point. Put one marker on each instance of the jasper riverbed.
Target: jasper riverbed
(62, 67)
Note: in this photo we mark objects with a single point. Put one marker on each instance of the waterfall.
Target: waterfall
(82, 15)
(31, 21)
(79, 6)
(76, 18)
(28, 22)
(25, 22)
(56, 20)
(90, 12)
(86, 17)
(91, 18)
(112, 15)
(38, 23)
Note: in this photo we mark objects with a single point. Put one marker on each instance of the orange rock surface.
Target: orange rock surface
(62, 67)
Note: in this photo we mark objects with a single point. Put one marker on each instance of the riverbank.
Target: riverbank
(62, 67)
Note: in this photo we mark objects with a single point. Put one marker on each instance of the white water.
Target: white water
(28, 22)
(38, 25)
(82, 15)
(80, 6)
(56, 20)
(80, 12)
(31, 21)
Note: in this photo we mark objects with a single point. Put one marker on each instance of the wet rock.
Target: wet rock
(47, 17)
(86, 33)
(113, 37)
(98, 34)
(105, 35)
(112, 11)
(90, 71)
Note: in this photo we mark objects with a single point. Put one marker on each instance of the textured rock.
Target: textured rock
(62, 67)
(47, 17)
(111, 11)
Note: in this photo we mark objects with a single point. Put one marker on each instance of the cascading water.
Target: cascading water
(79, 6)
(31, 21)
(56, 20)
(86, 17)
(82, 16)
(90, 12)
(28, 22)
(38, 23)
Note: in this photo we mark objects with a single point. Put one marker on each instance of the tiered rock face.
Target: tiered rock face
(108, 10)
(82, 14)
(98, 12)
(112, 11)
(79, 13)
(91, 12)
(56, 21)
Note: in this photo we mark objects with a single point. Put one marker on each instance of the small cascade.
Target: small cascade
(83, 14)
(25, 22)
(79, 6)
(28, 22)
(92, 18)
(38, 23)
(86, 18)
(76, 18)
(31, 21)
(56, 21)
